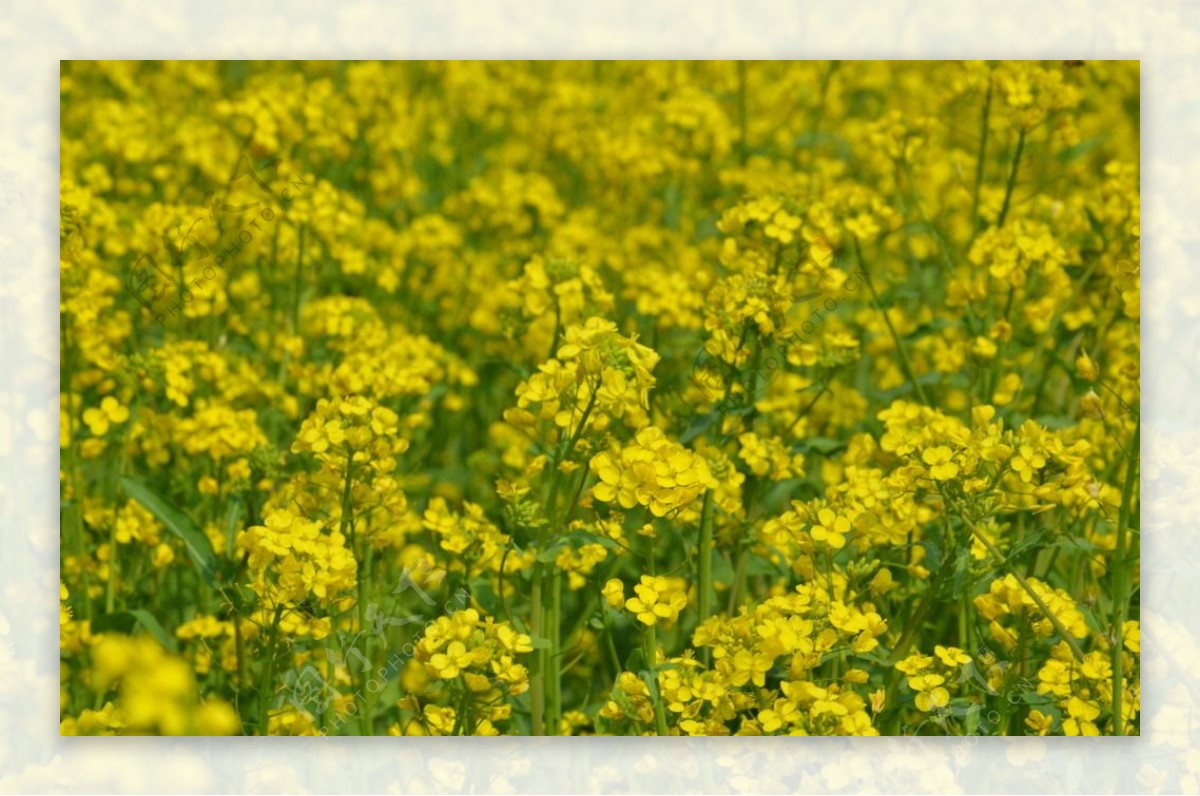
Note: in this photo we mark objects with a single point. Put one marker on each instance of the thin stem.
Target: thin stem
(1121, 582)
(614, 658)
(266, 687)
(983, 141)
(905, 362)
(1012, 177)
(1076, 650)
(537, 679)
(739, 572)
(297, 284)
(553, 658)
(650, 652)
(114, 567)
(705, 596)
(743, 137)
(804, 412)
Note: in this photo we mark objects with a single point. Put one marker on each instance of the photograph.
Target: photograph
(599, 398)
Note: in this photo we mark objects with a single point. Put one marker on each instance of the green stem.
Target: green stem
(1121, 582)
(537, 678)
(114, 568)
(553, 656)
(983, 141)
(297, 284)
(905, 362)
(362, 584)
(705, 596)
(266, 688)
(611, 645)
(239, 647)
(545, 664)
(1012, 178)
(650, 653)
(739, 572)
(1076, 650)
(368, 714)
(804, 411)
(743, 136)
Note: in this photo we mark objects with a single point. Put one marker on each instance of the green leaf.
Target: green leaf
(962, 569)
(838, 144)
(1034, 540)
(550, 553)
(822, 445)
(927, 380)
(722, 569)
(756, 566)
(1095, 223)
(1082, 148)
(573, 539)
(933, 555)
(698, 427)
(125, 621)
(481, 590)
(580, 537)
(1056, 423)
(540, 643)
(199, 548)
(233, 514)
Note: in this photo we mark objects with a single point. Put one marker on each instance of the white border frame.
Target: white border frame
(33, 37)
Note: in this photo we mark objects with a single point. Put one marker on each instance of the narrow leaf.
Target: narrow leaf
(177, 523)
(125, 621)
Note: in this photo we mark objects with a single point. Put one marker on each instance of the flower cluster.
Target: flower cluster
(464, 644)
(653, 472)
(155, 694)
(672, 398)
(291, 558)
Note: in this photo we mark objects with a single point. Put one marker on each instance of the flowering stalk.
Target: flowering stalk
(905, 362)
(554, 654)
(743, 136)
(650, 652)
(1033, 595)
(544, 619)
(537, 680)
(1012, 177)
(979, 160)
(1121, 582)
(298, 281)
(706, 551)
(114, 567)
(266, 687)
(346, 528)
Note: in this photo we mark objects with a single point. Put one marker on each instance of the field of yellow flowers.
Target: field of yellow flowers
(605, 398)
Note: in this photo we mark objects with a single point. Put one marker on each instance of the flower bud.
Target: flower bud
(1085, 367)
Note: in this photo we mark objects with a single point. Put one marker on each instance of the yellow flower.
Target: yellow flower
(930, 692)
(614, 593)
(951, 657)
(1039, 722)
(940, 466)
(830, 529)
(653, 472)
(447, 665)
(1086, 368)
(110, 413)
(658, 599)
(782, 227)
